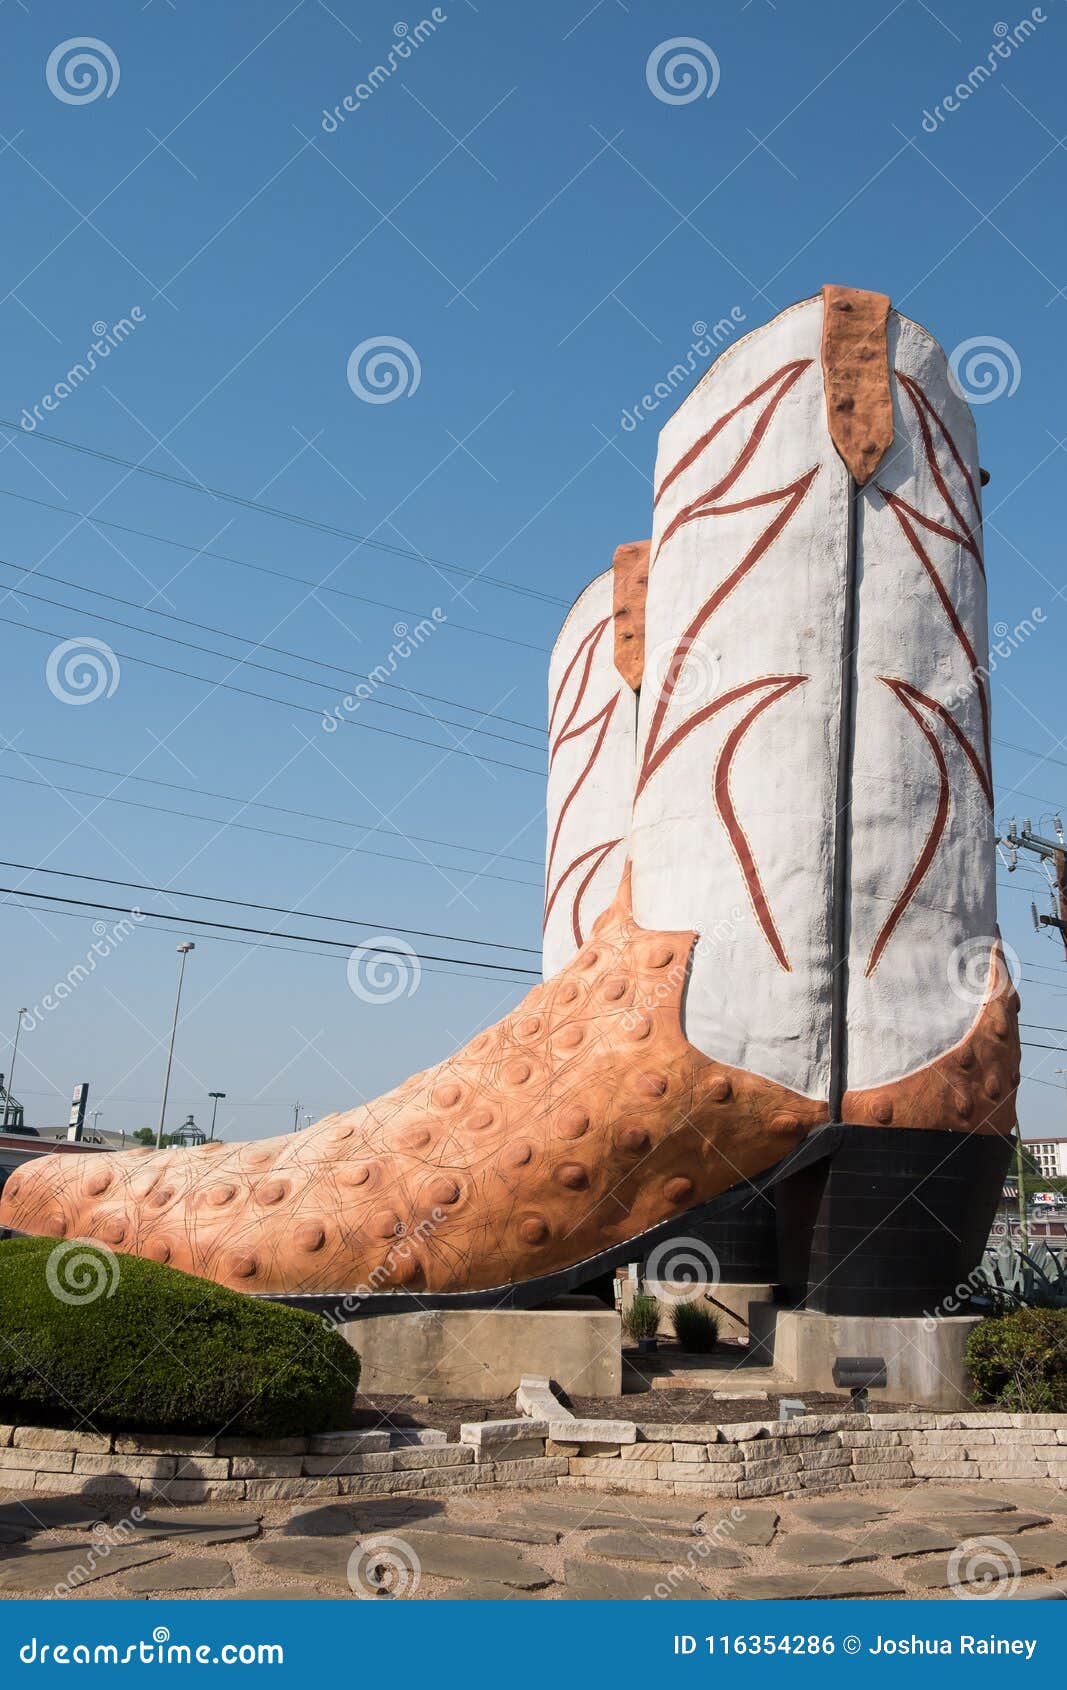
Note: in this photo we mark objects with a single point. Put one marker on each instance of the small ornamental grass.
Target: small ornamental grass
(641, 1319)
(695, 1327)
(108, 1342)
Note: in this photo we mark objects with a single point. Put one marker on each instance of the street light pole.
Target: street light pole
(184, 948)
(10, 1093)
(215, 1096)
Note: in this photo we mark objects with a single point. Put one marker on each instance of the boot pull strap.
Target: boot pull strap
(630, 572)
(855, 368)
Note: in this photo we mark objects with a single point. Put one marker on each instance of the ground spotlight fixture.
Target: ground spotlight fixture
(858, 1375)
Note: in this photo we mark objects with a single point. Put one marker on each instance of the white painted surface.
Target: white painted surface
(747, 1004)
(927, 984)
(592, 728)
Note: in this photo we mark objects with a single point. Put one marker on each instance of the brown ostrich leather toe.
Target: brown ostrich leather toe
(970, 1088)
(579, 1121)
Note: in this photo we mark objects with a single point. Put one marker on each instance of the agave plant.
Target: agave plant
(1013, 1278)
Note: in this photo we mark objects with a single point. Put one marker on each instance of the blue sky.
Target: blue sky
(542, 231)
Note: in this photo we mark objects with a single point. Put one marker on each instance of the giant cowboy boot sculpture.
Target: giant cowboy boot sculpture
(807, 902)
(593, 680)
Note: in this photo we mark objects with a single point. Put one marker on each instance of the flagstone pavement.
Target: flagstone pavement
(930, 1541)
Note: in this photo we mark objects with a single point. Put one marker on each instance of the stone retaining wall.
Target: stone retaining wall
(750, 1459)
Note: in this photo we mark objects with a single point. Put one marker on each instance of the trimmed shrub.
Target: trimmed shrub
(1019, 1361)
(120, 1343)
(695, 1327)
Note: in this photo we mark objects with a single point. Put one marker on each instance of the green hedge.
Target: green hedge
(116, 1342)
(1019, 1361)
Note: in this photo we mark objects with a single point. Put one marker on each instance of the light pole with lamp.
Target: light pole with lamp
(184, 948)
(214, 1096)
(9, 1095)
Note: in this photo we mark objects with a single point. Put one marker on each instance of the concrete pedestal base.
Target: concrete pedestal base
(923, 1356)
(482, 1354)
(729, 1303)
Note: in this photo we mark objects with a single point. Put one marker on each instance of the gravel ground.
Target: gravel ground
(674, 1407)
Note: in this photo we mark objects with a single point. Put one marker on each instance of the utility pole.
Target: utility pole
(9, 1095)
(214, 1096)
(296, 1117)
(1052, 851)
(184, 948)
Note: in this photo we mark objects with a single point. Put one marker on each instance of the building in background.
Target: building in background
(1050, 1155)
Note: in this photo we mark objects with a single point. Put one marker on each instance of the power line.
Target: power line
(286, 703)
(191, 1100)
(272, 832)
(274, 909)
(270, 932)
(266, 668)
(290, 516)
(1035, 1081)
(262, 945)
(1015, 792)
(265, 569)
(1042, 756)
(260, 645)
(261, 804)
